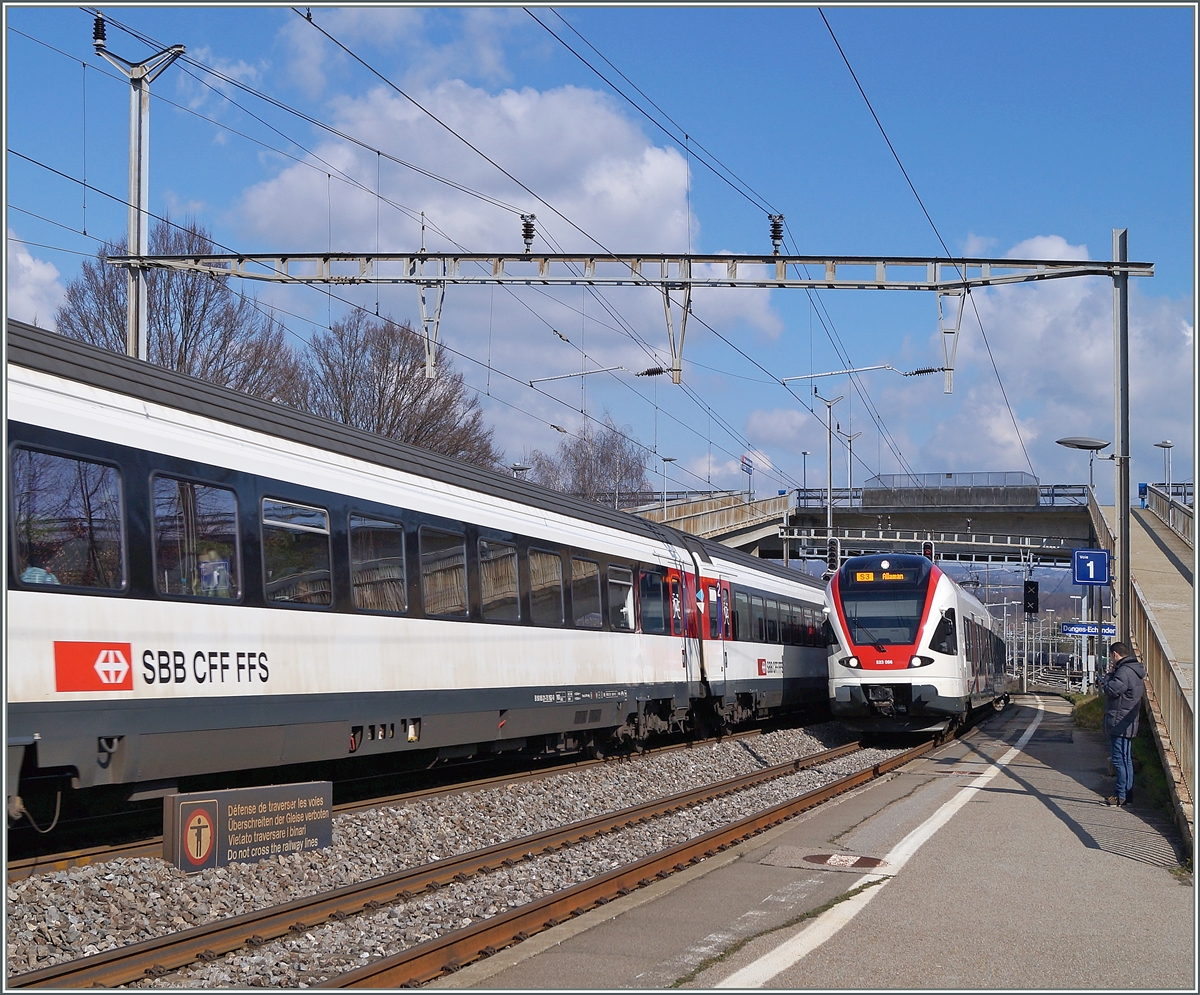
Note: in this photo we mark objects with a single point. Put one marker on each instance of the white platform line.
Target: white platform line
(829, 923)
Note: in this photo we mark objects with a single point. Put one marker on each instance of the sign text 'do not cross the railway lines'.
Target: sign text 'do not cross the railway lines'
(244, 825)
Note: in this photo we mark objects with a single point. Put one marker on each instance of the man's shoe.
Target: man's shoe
(1114, 801)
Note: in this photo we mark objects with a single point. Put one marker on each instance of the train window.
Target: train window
(67, 521)
(295, 540)
(813, 617)
(945, 639)
(789, 615)
(654, 616)
(741, 617)
(501, 595)
(585, 594)
(195, 539)
(545, 587)
(714, 620)
(772, 621)
(377, 574)
(758, 620)
(443, 572)
(620, 599)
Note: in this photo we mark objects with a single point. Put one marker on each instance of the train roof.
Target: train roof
(58, 355)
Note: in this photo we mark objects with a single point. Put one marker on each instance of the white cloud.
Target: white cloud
(574, 149)
(33, 290)
(1053, 345)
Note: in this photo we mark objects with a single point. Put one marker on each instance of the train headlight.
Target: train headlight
(852, 661)
(920, 661)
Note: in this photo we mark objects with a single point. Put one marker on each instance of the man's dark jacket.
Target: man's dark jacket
(1124, 689)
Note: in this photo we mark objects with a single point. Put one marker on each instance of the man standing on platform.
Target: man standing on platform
(1124, 686)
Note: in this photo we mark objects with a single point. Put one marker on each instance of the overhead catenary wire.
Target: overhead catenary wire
(239, 84)
(235, 82)
(760, 202)
(995, 369)
(274, 310)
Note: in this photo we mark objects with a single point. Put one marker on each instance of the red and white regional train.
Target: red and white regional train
(910, 649)
(200, 582)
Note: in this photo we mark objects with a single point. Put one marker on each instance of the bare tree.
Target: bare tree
(602, 464)
(197, 325)
(370, 373)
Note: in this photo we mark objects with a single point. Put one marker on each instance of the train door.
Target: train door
(716, 629)
(685, 620)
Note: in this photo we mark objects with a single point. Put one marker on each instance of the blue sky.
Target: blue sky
(1026, 130)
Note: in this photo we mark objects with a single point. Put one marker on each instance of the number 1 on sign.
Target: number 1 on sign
(1091, 565)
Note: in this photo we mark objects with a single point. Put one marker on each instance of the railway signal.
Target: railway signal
(1031, 597)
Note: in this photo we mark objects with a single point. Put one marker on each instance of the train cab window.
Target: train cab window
(499, 589)
(714, 619)
(377, 573)
(653, 603)
(945, 639)
(295, 541)
(545, 587)
(195, 539)
(741, 617)
(772, 621)
(66, 517)
(620, 599)
(758, 620)
(443, 572)
(585, 594)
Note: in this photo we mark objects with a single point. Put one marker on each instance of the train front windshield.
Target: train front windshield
(883, 605)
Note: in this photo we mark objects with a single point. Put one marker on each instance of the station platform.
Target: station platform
(994, 864)
(1161, 563)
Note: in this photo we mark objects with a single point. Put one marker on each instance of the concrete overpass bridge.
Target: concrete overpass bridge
(994, 517)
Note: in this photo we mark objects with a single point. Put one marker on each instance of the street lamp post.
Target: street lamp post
(828, 460)
(1092, 446)
(1166, 446)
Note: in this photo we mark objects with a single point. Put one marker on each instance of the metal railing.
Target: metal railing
(1168, 691)
(1177, 516)
(1168, 698)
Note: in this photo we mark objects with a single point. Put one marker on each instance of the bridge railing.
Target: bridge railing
(1168, 690)
(1176, 515)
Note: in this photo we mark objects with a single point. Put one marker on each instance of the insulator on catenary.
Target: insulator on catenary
(776, 230)
(527, 230)
(98, 31)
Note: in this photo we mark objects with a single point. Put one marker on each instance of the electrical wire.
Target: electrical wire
(1011, 414)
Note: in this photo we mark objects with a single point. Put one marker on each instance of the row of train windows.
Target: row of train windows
(765, 620)
(67, 526)
(67, 530)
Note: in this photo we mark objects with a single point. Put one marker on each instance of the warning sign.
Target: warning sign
(199, 835)
(245, 825)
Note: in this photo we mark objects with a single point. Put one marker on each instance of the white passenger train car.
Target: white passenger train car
(910, 650)
(200, 582)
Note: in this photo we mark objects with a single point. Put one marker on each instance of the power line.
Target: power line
(760, 202)
(941, 241)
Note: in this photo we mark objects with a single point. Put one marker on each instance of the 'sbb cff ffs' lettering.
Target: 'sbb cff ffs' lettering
(208, 667)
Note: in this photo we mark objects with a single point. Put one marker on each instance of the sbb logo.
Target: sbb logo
(92, 667)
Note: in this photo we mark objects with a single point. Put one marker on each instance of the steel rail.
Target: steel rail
(161, 955)
(152, 846)
(449, 953)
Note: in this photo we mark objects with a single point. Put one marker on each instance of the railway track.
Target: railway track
(152, 846)
(420, 963)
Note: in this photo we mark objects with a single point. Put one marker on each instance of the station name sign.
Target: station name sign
(1088, 629)
(244, 825)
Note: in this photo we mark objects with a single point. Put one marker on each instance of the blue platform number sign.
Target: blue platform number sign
(1089, 567)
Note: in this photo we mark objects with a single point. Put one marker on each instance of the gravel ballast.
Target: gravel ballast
(85, 910)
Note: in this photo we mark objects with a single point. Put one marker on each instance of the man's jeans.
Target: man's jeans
(1122, 761)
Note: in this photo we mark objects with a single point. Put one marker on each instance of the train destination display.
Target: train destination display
(244, 825)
